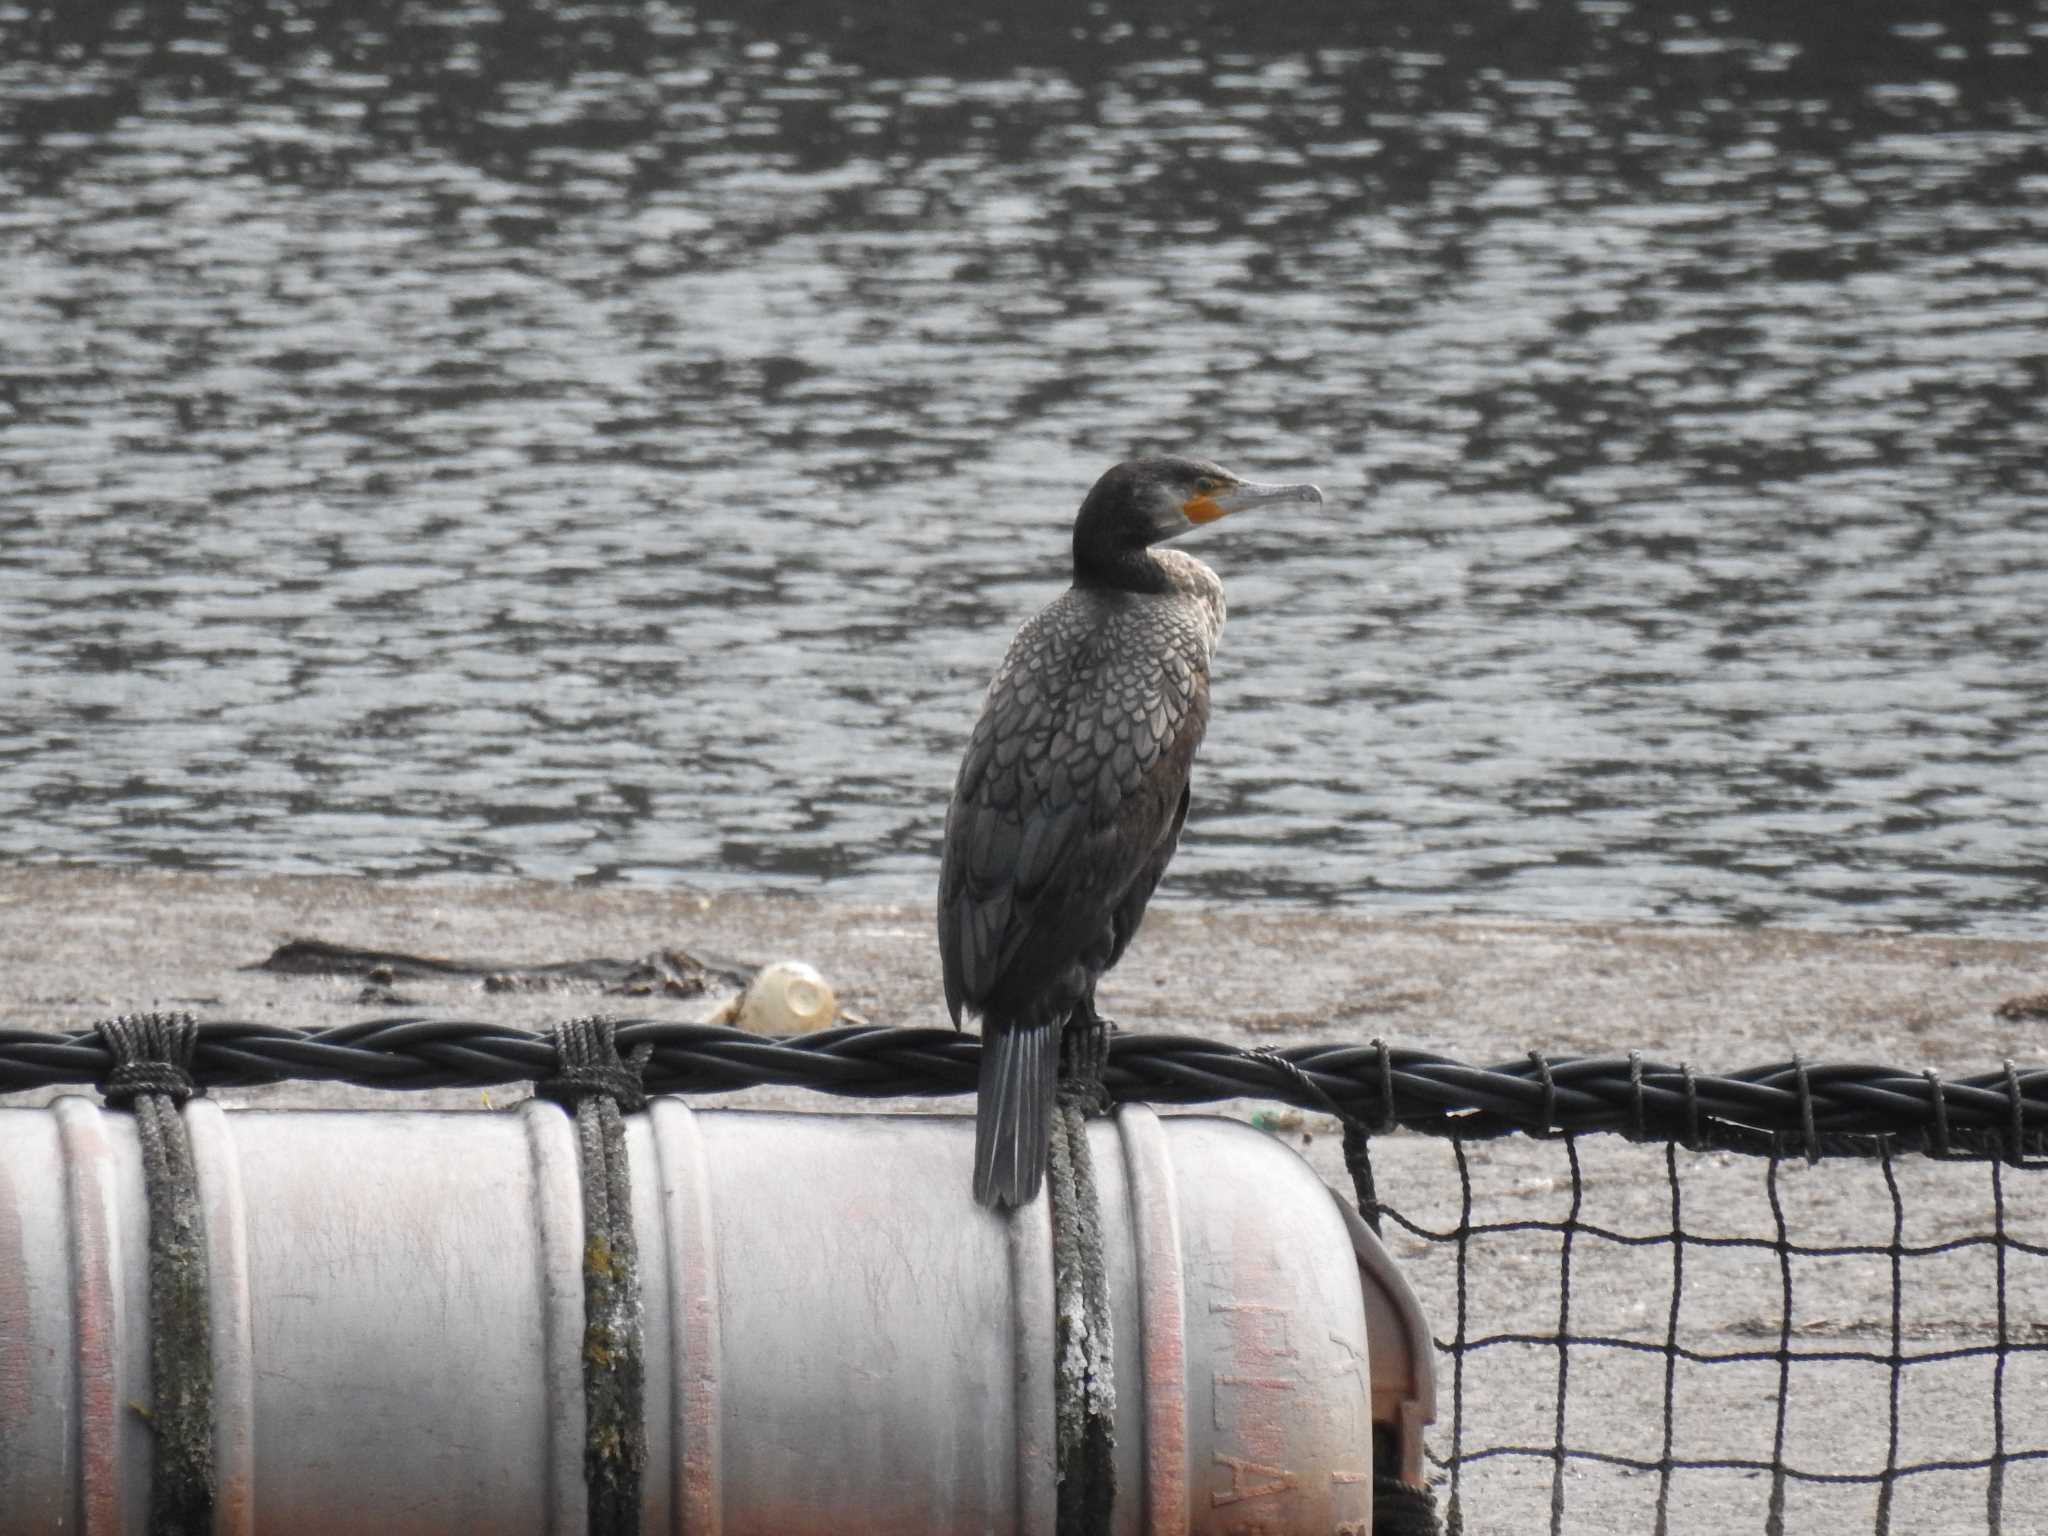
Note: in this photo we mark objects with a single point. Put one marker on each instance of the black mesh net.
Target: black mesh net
(1639, 1337)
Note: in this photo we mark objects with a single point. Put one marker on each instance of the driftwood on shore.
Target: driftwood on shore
(664, 972)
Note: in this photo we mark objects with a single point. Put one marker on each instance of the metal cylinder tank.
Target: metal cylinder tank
(836, 1337)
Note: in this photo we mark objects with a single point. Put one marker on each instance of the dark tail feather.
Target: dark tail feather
(1013, 1112)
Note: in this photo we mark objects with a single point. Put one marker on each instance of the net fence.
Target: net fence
(1801, 1297)
(1642, 1337)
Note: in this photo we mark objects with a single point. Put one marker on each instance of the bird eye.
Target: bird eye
(1206, 486)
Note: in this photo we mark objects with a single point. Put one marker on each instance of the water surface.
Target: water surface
(615, 442)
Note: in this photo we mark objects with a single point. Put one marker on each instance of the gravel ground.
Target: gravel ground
(79, 943)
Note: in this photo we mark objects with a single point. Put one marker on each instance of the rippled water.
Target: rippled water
(616, 441)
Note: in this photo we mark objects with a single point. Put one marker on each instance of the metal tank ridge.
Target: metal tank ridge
(836, 1338)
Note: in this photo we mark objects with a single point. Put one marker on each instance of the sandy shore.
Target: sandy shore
(76, 944)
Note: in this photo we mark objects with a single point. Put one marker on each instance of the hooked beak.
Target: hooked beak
(1246, 493)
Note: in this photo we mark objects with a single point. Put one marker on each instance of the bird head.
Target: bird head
(1147, 501)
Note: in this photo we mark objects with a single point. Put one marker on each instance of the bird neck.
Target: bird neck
(1122, 568)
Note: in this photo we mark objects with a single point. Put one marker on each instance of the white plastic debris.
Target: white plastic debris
(786, 998)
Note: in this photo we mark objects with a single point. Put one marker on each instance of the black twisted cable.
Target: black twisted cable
(1831, 1109)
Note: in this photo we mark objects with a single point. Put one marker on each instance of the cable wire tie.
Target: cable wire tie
(2012, 1094)
(1808, 1136)
(588, 1064)
(1692, 1106)
(1549, 1107)
(1386, 1065)
(152, 1053)
(1939, 1098)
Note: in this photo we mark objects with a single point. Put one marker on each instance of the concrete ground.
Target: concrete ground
(76, 944)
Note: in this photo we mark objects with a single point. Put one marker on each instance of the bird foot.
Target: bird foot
(1084, 1046)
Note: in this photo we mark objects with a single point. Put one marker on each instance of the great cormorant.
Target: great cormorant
(1073, 790)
